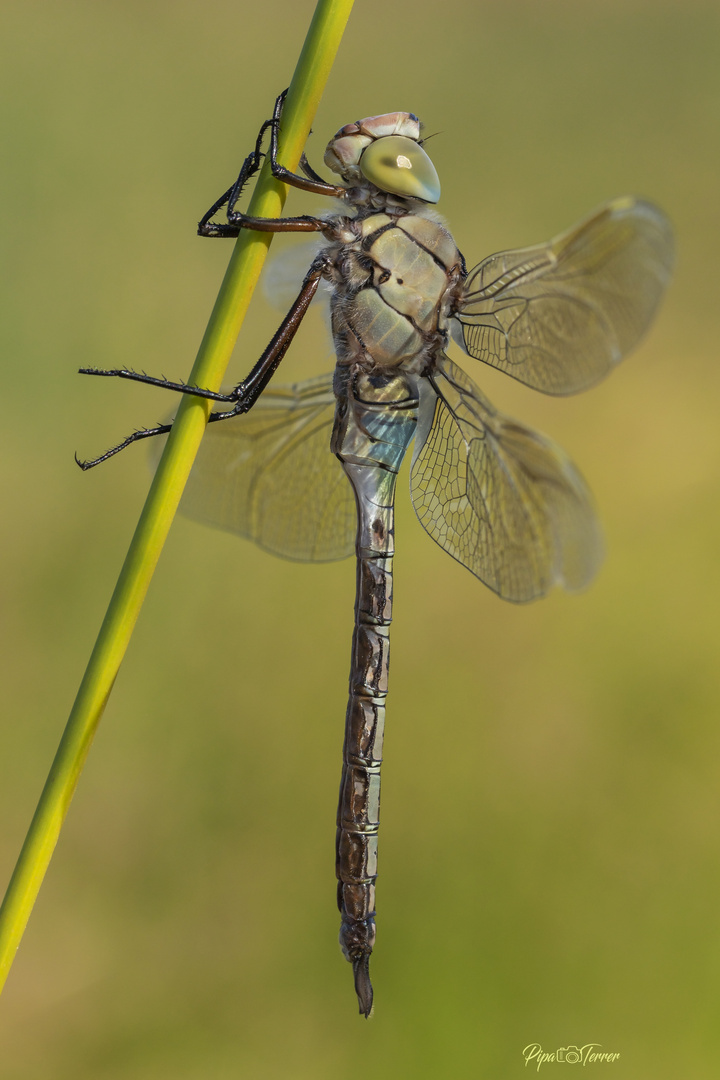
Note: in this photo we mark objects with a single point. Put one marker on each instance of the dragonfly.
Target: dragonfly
(309, 471)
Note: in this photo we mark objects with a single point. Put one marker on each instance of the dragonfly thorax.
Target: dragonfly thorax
(392, 291)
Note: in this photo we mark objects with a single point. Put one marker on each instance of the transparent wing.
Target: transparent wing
(504, 501)
(285, 269)
(559, 316)
(282, 279)
(270, 476)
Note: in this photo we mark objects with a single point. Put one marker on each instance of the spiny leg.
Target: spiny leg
(162, 382)
(243, 396)
(312, 181)
(142, 433)
(250, 167)
(311, 174)
(246, 393)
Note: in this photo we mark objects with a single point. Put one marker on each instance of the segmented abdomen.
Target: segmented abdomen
(375, 423)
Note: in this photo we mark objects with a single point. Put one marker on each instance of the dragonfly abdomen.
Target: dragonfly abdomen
(372, 433)
(359, 803)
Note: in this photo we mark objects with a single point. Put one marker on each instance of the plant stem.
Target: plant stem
(311, 73)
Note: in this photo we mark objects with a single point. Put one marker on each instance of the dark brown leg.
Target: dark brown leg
(243, 396)
(237, 220)
(250, 167)
(311, 181)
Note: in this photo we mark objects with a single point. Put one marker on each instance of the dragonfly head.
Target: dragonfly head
(386, 151)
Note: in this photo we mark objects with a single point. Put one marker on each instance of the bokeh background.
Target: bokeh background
(551, 818)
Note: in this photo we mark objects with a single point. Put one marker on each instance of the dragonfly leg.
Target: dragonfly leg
(243, 396)
(302, 223)
(311, 174)
(143, 433)
(312, 181)
(250, 167)
(164, 384)
(246, 393)
(236, 220)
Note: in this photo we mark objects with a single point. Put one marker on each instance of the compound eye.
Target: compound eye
(400, 166)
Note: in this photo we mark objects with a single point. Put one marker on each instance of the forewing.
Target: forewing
(559, 316)
(270, 476)
(285, 270)
(282, 280)
(501, 499)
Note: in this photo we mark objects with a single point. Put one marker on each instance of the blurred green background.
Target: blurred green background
(556, 879)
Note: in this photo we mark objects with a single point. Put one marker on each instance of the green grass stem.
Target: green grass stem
(311, 73)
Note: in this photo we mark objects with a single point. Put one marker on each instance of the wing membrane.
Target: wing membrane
(270, 476)
(559, 316)
(501, 499)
